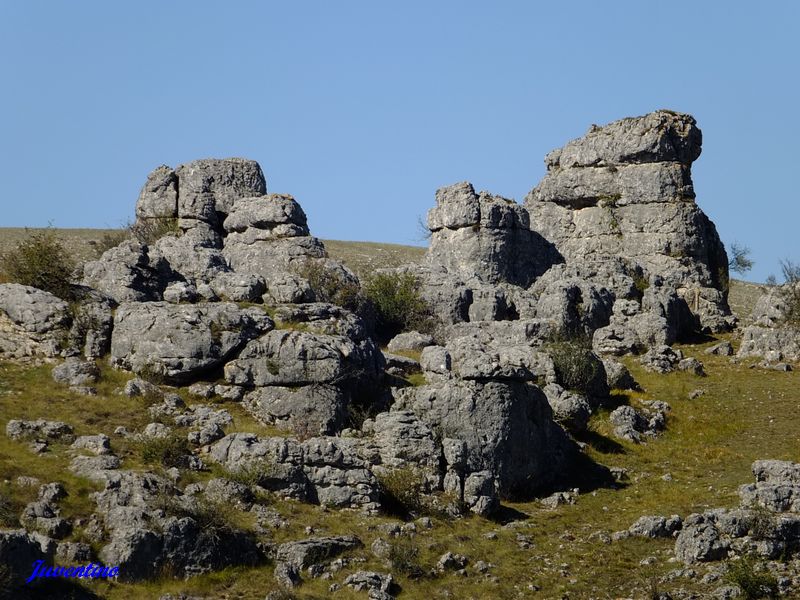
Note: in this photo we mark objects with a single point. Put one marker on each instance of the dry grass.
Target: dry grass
(710, 443)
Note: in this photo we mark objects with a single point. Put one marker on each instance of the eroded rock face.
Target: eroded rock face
(625, 190)
(179, 342)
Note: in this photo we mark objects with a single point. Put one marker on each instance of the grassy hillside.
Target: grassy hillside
(745, 414)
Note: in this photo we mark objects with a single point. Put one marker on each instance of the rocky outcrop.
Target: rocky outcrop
(625, 191)
(151, 524)
(221, 237)
(484, 237)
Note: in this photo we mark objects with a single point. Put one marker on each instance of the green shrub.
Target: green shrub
(332, 285)
(398, 303)
(577, 368)
(739, 260)
(170, 451)
(403, 492)
(40, 261)
(754, 580)
(761, 523)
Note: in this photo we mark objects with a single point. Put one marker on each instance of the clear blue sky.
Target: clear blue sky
(362, 109)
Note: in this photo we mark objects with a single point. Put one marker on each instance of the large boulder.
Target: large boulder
(507, 428)
(324, 470)
(625, 190)
(286, 357)
(179, 342)
(32, 321)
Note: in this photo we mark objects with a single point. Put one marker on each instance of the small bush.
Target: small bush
(577, 368)
(40, 261)
(754, 580)
(148, 231)
(398, 303)
(404, 558)
(332, 285)
(170, 451)
(403, 491)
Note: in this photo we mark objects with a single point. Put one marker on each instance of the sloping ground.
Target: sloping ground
(744, 415)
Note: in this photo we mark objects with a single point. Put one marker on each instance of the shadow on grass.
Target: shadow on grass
(507, 514)
(600, 443)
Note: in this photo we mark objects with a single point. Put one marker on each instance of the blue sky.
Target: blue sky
(362, 109)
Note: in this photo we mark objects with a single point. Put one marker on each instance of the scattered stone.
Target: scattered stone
(140, 388)
(97, 444)
(40, 428)
(691, 365)
(304, 553)
(156, 431)
(560, 498)
(451, 562)
(287, 575)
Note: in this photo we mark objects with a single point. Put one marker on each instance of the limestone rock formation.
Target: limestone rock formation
(625, 190)
(230, 240)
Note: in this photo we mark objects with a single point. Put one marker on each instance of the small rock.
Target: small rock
(97, 444)
(724, 348)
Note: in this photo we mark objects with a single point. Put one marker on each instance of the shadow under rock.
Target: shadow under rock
(506, 514)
